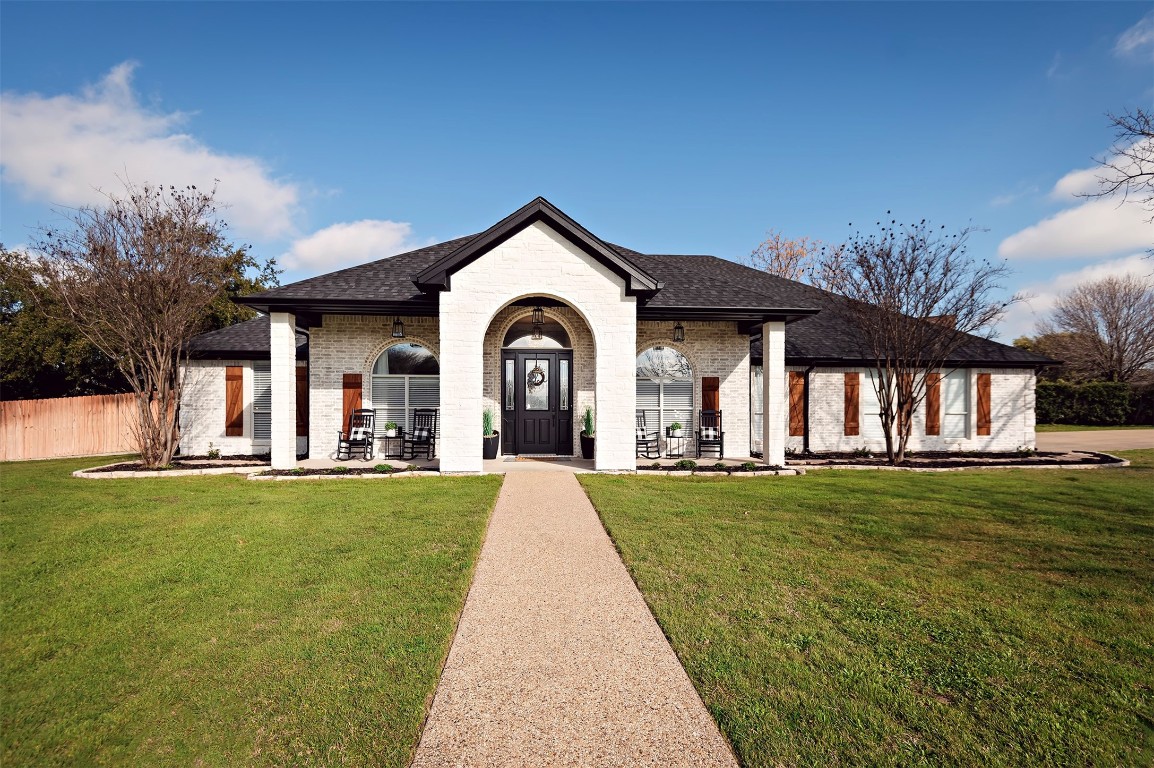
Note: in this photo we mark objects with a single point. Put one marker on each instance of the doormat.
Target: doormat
(539, 458)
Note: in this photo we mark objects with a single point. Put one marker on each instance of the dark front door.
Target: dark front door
(538, 410)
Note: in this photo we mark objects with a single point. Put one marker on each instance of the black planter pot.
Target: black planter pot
(586, 446)
(491, 443)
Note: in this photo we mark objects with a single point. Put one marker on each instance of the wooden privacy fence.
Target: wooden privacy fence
(66, 426)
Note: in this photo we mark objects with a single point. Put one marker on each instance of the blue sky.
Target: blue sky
(344, 132)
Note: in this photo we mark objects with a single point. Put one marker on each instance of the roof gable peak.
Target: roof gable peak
(437, 276)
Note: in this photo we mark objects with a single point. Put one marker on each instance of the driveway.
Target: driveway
(1096, 440)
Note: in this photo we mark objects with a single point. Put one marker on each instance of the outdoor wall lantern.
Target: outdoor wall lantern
(679, 332)
(538, 315)
(398, 328)
(536, 331)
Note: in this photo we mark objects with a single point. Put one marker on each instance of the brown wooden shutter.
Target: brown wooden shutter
(303, 402)
(233, 401)
(710, 399)
(933, 403)
(984, 417)
(852, 400)
(351, 384)
(905, 393)
(796, 403)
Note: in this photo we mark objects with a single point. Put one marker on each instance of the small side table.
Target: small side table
(675, 447)
(393, 447)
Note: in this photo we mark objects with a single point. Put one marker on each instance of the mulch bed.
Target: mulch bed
(342, 471)
(955, 460)
(192, 462)
(700, 468)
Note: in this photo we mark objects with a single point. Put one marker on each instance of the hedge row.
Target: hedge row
(1101, 403)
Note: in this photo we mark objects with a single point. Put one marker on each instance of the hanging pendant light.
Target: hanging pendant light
(398, 328)
(679, 332)
(536, 332)
(538, 315)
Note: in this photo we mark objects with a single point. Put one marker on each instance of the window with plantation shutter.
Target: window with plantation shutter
(261, 400)
(664, 388)
(405, 377)
(955, 404)
(756, 401)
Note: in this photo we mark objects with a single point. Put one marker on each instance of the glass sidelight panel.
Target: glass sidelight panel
(537, 385)
(563, 373)
(510, 386)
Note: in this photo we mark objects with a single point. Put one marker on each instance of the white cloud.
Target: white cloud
(1095, 229)
(1138, 39)
(64, 149)
(349, 243)
(1020, 318)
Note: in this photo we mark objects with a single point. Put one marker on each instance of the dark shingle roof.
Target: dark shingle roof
(246, 340)
(690, 282)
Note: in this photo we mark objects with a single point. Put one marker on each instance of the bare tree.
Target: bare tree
(137, 277)
(915, 296)
(1128, 169)
(785, 257)
(1106, 327)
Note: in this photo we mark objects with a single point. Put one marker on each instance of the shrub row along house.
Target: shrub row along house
(538, 319)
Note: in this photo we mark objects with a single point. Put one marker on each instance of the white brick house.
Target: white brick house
(537, 319)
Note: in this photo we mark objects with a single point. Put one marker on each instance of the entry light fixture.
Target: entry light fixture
(538, 317)
(536, 331)
(398, 328)
(679, 332)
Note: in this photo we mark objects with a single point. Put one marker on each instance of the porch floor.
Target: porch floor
(506, 464)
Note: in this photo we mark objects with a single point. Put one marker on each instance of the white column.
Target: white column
(774, 408)
(615, 447)
(283, 370)
(462, 327)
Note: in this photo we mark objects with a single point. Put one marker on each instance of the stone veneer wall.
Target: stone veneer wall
(713, 348)
(1011, 407)
(351, 344)
(584, 362)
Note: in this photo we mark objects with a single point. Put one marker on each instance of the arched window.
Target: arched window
(665, 388)
(405, 376)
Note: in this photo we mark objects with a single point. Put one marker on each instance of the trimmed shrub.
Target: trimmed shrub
(1101, 403)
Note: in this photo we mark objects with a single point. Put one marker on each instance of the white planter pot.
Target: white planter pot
(390, 433)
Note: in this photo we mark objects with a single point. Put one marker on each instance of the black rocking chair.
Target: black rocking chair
(423, 436)
(647, 446)
(710, 436)
(359, 436)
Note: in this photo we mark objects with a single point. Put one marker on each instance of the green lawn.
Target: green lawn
(992, 618)
(216, 621)
(1082, 428)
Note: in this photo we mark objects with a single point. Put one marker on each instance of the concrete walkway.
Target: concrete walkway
(557, 660)
(1096, 440)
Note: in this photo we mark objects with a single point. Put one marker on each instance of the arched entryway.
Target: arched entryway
(539, 378)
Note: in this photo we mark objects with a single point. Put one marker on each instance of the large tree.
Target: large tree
(1128, 168)
(791, 258)
(915, 297)
(138, 277)
(1104, 329)
(43, 354)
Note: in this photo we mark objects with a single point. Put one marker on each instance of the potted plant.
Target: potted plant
(674, 429)
(390, 429)
(491, 438)
(587, 434)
